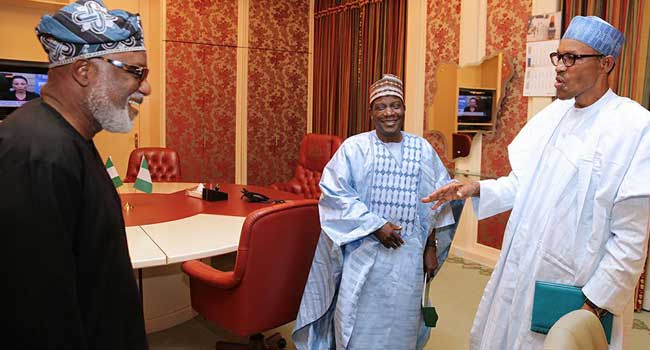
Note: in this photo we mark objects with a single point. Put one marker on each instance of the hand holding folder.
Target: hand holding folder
(428, 312)
(554, 300)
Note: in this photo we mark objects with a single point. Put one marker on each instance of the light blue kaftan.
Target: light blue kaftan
(361, 295)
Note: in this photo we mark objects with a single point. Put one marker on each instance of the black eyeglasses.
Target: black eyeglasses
(139, 72)
(569, 59)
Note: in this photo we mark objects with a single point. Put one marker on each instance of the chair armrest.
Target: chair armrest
(209, 275)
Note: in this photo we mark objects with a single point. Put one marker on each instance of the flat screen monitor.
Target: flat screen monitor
(475, 105)
(20, 81)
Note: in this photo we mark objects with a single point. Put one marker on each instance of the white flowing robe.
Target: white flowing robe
(580, 201)
(352, 273)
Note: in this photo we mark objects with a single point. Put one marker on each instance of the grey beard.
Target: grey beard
(110, 117)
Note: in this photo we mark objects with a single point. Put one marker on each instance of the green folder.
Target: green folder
(554, 300)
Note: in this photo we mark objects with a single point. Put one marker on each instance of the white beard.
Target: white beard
(112, 118)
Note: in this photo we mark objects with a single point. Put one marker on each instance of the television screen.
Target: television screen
(475, 105)
(20, 81)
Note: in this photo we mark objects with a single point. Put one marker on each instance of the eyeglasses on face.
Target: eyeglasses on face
(569, 59)
(139, 72)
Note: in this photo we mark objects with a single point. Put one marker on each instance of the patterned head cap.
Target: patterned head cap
(596, 33)
(86, 28)
(388, 85)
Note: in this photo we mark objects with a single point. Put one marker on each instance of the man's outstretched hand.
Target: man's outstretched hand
(450, 192)
(389, 235)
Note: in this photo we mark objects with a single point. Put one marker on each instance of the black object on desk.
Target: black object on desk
(214, 195)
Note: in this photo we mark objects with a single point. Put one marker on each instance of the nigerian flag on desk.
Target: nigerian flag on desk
(143, 181)
(112, 172)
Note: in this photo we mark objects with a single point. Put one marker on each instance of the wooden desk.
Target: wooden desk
(183, 227)
(196, 237)
(143, 251)
(168, 227)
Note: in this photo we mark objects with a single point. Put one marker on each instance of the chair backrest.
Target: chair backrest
(316, 150)
(275, 253)
(577, 330)
(164, 164)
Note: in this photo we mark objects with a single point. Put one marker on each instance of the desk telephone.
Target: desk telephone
(255, 197)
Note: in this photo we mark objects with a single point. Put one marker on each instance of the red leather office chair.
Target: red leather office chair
(315, 151)
(164, 164)
(276, 248)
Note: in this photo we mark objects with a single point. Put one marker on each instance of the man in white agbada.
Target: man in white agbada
(365, 284)
(579, 196)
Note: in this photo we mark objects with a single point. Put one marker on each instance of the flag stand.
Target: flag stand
(128, 206)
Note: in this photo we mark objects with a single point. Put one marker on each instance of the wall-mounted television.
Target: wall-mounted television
(475, 105)
(20, 81)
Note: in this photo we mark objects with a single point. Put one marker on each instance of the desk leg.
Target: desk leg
(140, 287)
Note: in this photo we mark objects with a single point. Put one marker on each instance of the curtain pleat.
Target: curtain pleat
(355, 43)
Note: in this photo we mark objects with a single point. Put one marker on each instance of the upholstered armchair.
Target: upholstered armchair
(315, 151)
(276, 248)
(164, 164)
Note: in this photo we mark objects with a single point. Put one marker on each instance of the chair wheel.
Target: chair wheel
(276, 341)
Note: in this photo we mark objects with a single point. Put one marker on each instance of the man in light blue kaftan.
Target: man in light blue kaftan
(365, 285)
(579, 196)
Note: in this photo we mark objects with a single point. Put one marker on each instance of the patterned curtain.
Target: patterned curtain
(631, 77)
(355, 43)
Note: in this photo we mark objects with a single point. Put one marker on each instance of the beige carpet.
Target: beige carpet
(455, 292)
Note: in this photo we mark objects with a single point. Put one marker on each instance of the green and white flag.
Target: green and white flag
(112, 172)
(143, 181)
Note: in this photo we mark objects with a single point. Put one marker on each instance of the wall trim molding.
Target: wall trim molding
(241, 112)
(481, 254)
(163, 74)
(416, 47)
(310, 70)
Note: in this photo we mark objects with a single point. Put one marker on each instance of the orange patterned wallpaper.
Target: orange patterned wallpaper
(183, 102)
(219, 105)
(279, 25)
(201, 109)
(443, 37)
(506, 31)
(277, 88)
(277, 109)
(201, 87)
(202, 21)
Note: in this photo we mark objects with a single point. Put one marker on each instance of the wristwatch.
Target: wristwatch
(434, 244)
